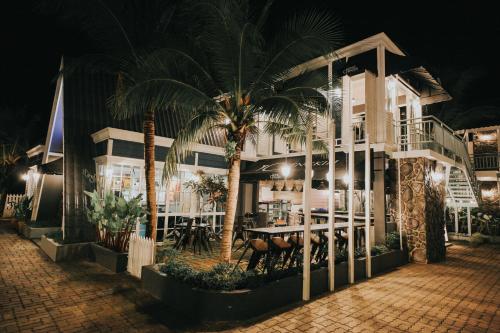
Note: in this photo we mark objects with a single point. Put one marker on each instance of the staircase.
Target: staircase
(460, 192)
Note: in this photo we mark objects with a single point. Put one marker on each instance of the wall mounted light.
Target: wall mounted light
(284, 188)
(24, 176)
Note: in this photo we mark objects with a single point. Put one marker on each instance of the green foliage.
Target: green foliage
(22, 209)
(114, 218)
(379, 249)
(222, 276)
(56, 236)
(213, 186)
(230, 150)
(340, 256)
(476, 239)
(359, 253)
(392, 240)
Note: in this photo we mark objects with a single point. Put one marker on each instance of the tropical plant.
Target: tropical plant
(124, 32)
(233, 79)
(212, 186)
(379, 249)
(114, 218)
(22, 209)
(392, 240)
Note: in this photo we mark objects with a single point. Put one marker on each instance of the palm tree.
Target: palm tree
(233, 75)
(125, 32)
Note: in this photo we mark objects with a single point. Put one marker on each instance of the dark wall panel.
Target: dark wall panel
(211, 160)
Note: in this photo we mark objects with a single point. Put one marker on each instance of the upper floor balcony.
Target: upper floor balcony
(486, 162)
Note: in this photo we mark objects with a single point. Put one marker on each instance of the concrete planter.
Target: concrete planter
(33, 232)
(109, 259)
(62, 252)
(19, 225)
(210, 305)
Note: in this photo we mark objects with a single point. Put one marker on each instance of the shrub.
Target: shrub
(359, 253)
(22, 209)
(222, 276)
(340, 256)
(114, 218)
(392, 240)
(476, 239)
(379, 249)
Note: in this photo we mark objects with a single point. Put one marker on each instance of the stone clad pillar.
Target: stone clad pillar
(423, 198)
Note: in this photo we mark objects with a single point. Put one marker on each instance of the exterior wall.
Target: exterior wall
(422, 209)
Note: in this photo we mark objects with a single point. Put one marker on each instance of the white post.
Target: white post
(456, 219)
(367, 208)
(350, 229)
(306, 278)
(331, 206)
(469, 231)
(400, 215)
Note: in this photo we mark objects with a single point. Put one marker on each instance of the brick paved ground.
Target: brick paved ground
(461, 295)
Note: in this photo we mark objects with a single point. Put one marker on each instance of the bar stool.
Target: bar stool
(280, 247)
(260, 249)
(298, 244)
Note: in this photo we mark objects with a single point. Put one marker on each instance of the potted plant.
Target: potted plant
(114, 219)
(22, 212)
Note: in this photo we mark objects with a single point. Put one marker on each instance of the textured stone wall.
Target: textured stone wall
(422, 208)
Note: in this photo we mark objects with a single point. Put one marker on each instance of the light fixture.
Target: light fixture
(487, 193)
(24, 176)
(294, 188)
(274, 188)
(285, 170)
(227, 121)
(486, 137)
(284, 188)
(337, 92)
(322, 186)
(346, 178)
(437, 177)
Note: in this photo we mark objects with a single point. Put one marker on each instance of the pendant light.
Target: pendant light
(322, 186)
(284, 188)
(274, 188)
(294, 188)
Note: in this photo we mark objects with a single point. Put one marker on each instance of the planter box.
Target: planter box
(114, 261)
(61, 252)
(32, 232)
(209, 305)
(19, 225)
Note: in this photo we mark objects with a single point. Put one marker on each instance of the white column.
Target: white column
(469, 231)
(350, 229)
(367, 208)
(306, 273)
(456, 219)
(380, 115)
(331, 206)
(346, 111)
(400, 215)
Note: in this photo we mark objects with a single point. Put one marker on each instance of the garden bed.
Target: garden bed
(33, 232)
(109, 259)
(62, 252)
(212, 305)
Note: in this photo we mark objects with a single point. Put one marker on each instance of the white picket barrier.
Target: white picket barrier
(141, 252)
(8, 209)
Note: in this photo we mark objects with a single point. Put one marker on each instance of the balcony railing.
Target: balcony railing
(431, 133)
(486, 161)
(358, 123)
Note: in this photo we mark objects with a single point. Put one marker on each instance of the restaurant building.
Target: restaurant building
(414, 164)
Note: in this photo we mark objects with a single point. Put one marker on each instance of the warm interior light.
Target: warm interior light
(346, 178)
(285, 170)
(24, 176)
(227, 121)
(486, 137)
(487, 193)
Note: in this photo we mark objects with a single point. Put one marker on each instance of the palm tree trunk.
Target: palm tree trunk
(232, 200)
(149, 164)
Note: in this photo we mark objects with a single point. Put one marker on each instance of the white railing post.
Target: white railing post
(141, 252)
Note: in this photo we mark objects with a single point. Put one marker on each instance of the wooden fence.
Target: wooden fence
(141, 252)
(10, 200)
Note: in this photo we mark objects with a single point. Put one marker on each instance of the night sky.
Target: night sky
(457, 39)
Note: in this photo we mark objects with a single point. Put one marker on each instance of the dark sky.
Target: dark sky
(457, 39)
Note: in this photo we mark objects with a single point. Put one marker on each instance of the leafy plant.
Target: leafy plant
(392, 240)
(213, 186)
(114, 218)
(22, 209)
(379, 249)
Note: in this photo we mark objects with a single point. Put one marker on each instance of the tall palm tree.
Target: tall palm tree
(233, 75)
(124, 32)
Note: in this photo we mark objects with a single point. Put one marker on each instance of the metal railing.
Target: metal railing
(431, 133)
(486, 161)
